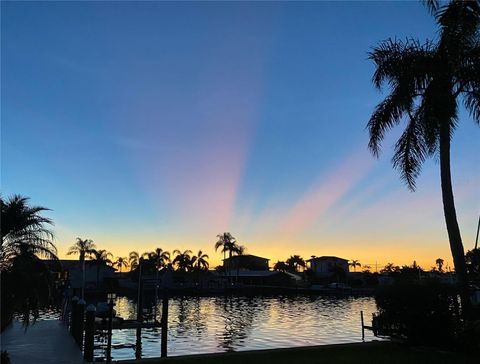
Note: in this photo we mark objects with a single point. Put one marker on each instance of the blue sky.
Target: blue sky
(162, 124)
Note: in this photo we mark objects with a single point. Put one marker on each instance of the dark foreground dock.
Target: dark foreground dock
(360, 353)
(45, 342)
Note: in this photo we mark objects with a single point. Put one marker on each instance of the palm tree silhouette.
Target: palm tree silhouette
(228, 243)
(439, 262)
(100, 257)
(134, 260)
(354, 264)
(427, 82)
(25, 236)
(183, 260)
(281, 266)
(24, 227)
(120, 263)
(295, 262)
(159, 257)
(200, 261)
(82, 247)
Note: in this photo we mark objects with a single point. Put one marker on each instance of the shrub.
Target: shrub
(424, 313)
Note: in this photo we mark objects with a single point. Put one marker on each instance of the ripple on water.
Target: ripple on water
(214, 324)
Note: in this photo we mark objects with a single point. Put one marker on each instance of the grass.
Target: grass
(368, 353)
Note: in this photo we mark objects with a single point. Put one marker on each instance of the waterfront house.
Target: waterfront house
(70, 271)
(325, 266)
(252, 270)
(246, 262)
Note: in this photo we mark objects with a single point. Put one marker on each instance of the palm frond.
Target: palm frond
(472, 104)
(410, 153)
(431, 5)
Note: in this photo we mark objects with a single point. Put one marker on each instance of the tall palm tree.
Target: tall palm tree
(25, 236)
(82, 247)
(199, 264)
(23, 226)
(228, 244)
(133, 260)
(100, 257)
(200, 261)
(120, 263)
(354, 264)
(160, 258)
(427, 82)
(182, 260)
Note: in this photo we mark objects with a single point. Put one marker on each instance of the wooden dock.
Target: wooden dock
(45, 342)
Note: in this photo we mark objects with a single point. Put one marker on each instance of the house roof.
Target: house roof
(245, 256)
(70, 263)
(326, 257)
(252, 273)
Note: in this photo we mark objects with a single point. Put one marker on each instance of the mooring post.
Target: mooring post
(164, 325)
(140, 297)
(81, 322)
(109, 330)
(89, 333)
(363, 326)
(73, 315)
(138, 344)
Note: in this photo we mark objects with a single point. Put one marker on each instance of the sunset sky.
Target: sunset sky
(152, 124)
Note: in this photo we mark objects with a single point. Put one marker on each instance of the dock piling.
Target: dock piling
(73, 315)
(363, 326)
(164, 326)
(80, 322)
(89, 333)
(109, 331)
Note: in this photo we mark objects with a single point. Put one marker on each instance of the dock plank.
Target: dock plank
(45, 342)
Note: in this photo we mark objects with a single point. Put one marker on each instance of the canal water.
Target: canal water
(217, 324)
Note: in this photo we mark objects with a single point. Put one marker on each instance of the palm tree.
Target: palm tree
(439, 262)
(121, 262)
(200, 261)
(159, 257)
(134, 260)
(295, 262)
(354, 264)
(427, 83)
(183, 260)
(473, 261)
(228, 244)
(24, 227)
(25, 236)
(281, 266)
(390, 268)
(82, 247)
(100, 257)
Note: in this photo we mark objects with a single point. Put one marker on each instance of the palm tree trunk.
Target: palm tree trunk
(98, 274)
(82, 263)
(453, 230)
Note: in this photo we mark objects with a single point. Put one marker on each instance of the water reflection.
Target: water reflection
(215, 324)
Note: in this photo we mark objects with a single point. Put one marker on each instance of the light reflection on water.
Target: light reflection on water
(214, 324)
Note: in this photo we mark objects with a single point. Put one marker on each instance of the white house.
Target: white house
(326, 265)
